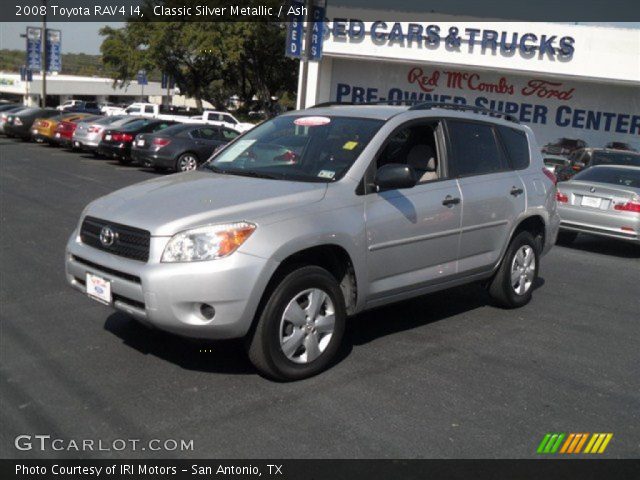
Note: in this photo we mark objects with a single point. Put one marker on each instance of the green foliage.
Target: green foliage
(72, 63)
(208, 60)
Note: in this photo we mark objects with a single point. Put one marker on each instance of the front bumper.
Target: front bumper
(169, 295)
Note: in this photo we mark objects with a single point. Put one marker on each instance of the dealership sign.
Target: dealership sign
(418, 35)
(593, 112)
(34, 48)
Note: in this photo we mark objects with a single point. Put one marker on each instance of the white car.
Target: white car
(68, 104)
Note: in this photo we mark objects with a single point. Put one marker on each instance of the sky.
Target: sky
(83, 37)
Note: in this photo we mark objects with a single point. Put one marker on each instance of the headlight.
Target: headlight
(207, 243)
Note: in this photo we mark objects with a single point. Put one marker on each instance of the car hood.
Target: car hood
(170, 204)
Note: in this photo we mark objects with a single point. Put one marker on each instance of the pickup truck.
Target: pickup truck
(225, 119)
(209, 117)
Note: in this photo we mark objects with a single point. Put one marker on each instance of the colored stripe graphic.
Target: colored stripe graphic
(573, 443)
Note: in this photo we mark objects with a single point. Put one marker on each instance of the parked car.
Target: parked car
(225, 119)
(9, 106)
(373, 211)
(19, 123)
(602, 200)
(620, 146)
(44, 129)
(563, 146)
(65, 129)
(92, 108)
(588, 157)
(181, 147)
(4, 114)
(117, 141)
(87, 135)
(555, 162)
(68, 104)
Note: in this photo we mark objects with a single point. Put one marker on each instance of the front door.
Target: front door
(413, 234)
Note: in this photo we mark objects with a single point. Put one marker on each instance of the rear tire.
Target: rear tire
(186, 162)
(514, 281)
(566, 238)
(300, 328)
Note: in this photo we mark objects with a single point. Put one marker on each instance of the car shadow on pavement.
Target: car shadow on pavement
(192, 354)
(418, 312)
(229, 356)
(605, 246)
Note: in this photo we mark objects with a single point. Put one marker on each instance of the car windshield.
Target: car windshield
(303, 148)
(626, 177)
(616, 158)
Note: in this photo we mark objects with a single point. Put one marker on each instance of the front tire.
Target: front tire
(300, 328)
(514, 282)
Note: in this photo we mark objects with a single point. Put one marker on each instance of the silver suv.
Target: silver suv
(317, 215)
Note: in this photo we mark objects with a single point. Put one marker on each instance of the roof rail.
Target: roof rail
(380, 102)
(472, 108)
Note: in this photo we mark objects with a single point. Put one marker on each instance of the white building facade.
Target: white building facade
(563, 80)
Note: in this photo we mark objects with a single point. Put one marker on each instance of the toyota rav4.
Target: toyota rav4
(317, 215)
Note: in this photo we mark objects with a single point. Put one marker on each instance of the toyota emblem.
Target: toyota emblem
(107, 236)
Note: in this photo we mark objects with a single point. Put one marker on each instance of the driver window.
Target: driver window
(414, 146)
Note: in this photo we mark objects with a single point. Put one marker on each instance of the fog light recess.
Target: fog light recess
(207, 311)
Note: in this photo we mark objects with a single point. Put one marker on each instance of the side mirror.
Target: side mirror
(394, 176)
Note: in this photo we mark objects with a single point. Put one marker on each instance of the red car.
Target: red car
(64, 131)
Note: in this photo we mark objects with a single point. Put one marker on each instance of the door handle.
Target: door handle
(515, 191)
(450, 201)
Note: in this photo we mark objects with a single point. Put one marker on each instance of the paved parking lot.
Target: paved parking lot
(445, 375)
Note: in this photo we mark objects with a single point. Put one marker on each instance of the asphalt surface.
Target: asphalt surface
(442, 376)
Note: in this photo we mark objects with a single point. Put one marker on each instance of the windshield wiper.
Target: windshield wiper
(242, 173)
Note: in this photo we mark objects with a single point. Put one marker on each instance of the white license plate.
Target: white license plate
(57, 135)
(76, 144)
(99, 288)
(593, 202)
(107, 137)
(141, 143)
(34, 131)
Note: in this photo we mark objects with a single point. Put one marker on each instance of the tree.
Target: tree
(208, 60)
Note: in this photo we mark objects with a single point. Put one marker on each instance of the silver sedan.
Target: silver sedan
(601, 200)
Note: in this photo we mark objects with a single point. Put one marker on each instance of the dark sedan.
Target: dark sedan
(589, 157)
(19, 123)
(117, 142)
(180, 148)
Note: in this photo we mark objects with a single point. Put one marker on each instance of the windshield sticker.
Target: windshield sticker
(233, 151)
(350, 145)
(312, 121)
(326, 174)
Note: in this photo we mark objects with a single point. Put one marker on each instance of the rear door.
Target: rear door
(206, 139)
(493, 194)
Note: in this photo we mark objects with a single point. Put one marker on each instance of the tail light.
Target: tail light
(122, 137)
(561, 197)
(631, 206)
(550, 175)
(161, 142)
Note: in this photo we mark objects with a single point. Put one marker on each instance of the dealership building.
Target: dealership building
(65, 87)
(563, 80)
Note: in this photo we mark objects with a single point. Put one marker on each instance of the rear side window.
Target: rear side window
(517, 146)
(229, 134)
(148, 109)
(474, 149)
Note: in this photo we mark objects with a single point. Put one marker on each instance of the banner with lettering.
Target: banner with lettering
(595, 113)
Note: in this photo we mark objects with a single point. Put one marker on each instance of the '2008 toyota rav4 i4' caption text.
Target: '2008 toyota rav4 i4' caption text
(317, 215)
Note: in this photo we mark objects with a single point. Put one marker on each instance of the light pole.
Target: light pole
(44, 55)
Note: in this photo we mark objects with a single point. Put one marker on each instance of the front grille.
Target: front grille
(128, 241)
(110, 271)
